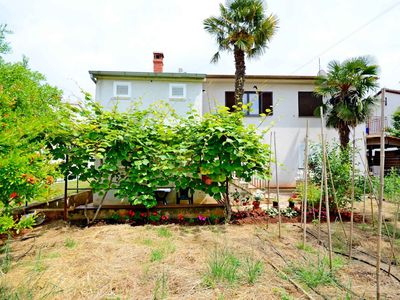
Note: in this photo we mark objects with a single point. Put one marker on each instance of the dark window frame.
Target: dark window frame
(306, 110)
(229, 100)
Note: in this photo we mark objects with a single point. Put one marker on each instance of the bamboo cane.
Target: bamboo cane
(352, 195)
(328, 221)
(305, 187)
(365, 178)
(320, 204)
(269, 165)
(394, 233)
(277, 186)
(381, 190)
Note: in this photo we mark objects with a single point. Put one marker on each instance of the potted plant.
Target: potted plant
(292, 200)
(257, 198)
(275, 203)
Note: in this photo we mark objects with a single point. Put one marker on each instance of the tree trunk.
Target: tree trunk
(239, 74)
(344, 134)
(228, 208)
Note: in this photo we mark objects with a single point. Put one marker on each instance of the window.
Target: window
(261, 101)
(122, 89)
(177, 91)
(308, 102)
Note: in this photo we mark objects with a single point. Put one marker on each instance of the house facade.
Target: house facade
(290, 98)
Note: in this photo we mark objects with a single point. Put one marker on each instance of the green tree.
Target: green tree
(244, 29)
(30, 111)
(395, 129)
(347, 86)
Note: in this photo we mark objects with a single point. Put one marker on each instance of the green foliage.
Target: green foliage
(164, 232)
(6, 258)
(340, 166)
(4, 45)
(27, 221)
(222, 267)
(253, 269)
(313, 192)
(156, 255)
(161, 287)
(30, 112)
(347, 86)
(70, 243)
(316, 274)
(395, 130)
(7, 223)
(392, 184)
(242, 24)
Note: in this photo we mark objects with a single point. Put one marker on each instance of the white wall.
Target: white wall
(150, 91)
(289, 127)
(393, 103)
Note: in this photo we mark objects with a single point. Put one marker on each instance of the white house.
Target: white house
(290, 97)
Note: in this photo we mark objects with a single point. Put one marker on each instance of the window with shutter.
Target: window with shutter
(122, 89)
(308, 102)
(266, 103)
(177, 91)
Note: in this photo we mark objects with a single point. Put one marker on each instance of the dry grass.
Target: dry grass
(167, 262)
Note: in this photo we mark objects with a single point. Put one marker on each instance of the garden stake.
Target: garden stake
(335, 199)
(365, 175)
(305, 187)
(65, 214)
(394, 234)
(328, 220)
(320, 205)
(277, 186)
(269, 164)
(381, 190)
(352, 195)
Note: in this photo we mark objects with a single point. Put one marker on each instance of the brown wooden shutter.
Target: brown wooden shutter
(308, 102)
(266, 102)
(230, 100)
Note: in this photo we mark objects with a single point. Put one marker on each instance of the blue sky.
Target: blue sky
(64, 39)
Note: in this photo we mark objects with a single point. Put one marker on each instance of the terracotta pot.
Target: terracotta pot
(207, 180)
(256, 204)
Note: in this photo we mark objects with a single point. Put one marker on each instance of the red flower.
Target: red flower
(154, 213)
(180, 217)
(13, 195)
(142, 214)
(164, 218)
(131, 213)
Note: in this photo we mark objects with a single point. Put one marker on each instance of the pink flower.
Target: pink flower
(202, 218)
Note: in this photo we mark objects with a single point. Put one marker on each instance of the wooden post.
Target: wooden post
(65, 215)
(277, 186)
(352, 194)
(269, 181)
(328, 221)
(305, 186)
(320, 204)
(381, 190)
(365, 177)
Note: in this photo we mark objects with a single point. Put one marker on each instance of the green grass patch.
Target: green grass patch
(157, 255)
(161, 287)
(282, 294)
(307, 248)
(223, 267)
(164, 232)
(39, 266)
(70, 243)
(252, 269)
(6, 259)
(315, 274)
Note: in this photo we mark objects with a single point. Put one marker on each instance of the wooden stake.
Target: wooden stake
(394, 233)
(305, 186)
(320, 204)
(381, 190)
(328, 221)
(277, 186)
(352, 194)
(65, 213)
(365, 177)
(269, 181)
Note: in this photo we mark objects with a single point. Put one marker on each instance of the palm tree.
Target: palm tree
(347, 86)
(244, 29)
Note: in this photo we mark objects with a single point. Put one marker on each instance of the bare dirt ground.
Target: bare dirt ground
(57, 261)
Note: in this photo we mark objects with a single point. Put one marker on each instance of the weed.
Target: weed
(6, 260)
(161, 288)
(316, 274)
(70, 243)
(222, 267)
(164, 232)
(253, 269)
(147, 242)
(156, 255)
(39, 265)
(282, 293)
(307, 248)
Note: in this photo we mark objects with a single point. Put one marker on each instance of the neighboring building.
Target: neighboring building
(181, 90)
(290, 97)
(374, 126)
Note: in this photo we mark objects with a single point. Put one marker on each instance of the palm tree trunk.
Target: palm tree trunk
(239, 74)
(344, 134)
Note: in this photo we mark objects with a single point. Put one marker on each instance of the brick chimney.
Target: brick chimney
(158, 62)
